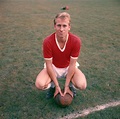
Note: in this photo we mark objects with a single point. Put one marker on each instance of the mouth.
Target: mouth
(61, 33)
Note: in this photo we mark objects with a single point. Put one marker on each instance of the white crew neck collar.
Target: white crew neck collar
(61, 49)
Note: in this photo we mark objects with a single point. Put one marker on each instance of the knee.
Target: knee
(39, 86)
(82, 86)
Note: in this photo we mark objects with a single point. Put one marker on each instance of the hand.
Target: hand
(67, 90)
(58, 90)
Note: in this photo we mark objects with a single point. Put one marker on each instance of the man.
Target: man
(61, 50)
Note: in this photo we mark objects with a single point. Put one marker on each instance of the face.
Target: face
(62, 27)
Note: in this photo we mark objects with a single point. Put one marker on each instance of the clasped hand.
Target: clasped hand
(66, 90)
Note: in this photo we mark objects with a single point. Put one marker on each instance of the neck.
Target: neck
(62, 40)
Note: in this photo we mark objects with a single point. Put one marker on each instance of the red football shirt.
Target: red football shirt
(61, 58)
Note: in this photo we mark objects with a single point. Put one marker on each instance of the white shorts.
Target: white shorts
(61, 72)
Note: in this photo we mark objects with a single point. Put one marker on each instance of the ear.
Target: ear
(69, 27)
(54, 26)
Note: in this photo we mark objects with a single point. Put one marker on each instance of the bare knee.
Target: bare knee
(80, 86)
(38, 86)
(83, 86)
(79, 80)
(42, 80)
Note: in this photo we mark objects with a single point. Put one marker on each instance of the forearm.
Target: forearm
(70, 74)
(54, 79)
(52, 75)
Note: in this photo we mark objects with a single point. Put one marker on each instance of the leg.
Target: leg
(79, 80)
(42, 80)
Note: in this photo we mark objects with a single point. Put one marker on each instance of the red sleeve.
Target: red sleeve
(47, 51)
(76, 48)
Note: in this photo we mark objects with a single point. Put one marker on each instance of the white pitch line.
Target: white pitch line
(85, 112)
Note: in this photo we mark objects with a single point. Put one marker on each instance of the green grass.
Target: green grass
(23, 26)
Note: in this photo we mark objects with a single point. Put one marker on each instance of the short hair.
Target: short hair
(62, 15)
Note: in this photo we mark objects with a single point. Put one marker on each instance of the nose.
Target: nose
(61, 28)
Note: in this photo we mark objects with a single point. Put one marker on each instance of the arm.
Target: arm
(52, 75)
(51, 72)
(71, 71)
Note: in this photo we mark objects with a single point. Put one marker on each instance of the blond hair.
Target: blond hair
(62, 15)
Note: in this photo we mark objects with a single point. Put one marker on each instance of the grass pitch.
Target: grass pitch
(23, 26)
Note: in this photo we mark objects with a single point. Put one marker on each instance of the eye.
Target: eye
(64, 26)
(59, 25)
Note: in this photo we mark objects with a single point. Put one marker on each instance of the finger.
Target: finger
(61, 93)
(71, 93)
(56, 92)
(64, 93)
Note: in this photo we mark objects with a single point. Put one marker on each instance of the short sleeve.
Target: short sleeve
(76, 48)
(47, 51)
